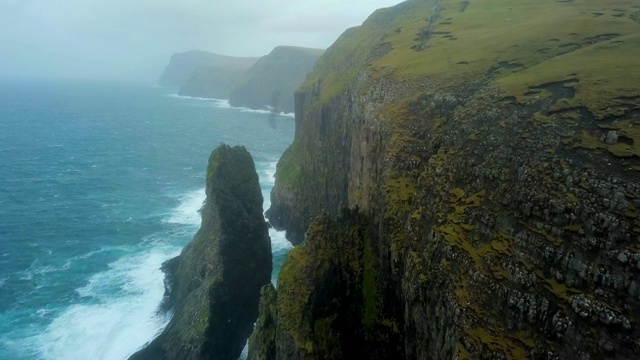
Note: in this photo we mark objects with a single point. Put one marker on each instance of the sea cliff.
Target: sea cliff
(272, 80)
(204, 74)
(473, 172)
(215, 282)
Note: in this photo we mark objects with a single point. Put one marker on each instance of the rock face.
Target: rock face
(496, 216)
(203, 73)
(273, 79)
(218, 276)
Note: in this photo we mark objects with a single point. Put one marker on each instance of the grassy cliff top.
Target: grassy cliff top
(520, 46)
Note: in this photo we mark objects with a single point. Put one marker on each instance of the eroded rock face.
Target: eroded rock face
(262, 343)
(218, 276)
(325, 307)
(502, 213)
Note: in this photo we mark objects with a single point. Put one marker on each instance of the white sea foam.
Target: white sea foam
(119, 310)
(267, 177)
(269, 173)
(36, 269)
(187, 212)
(224, 104)
(279, 242)
(119, 314)
(190, 97)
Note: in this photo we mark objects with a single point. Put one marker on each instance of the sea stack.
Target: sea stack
(217, 278)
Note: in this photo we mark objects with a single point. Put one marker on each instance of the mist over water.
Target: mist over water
(101, 183)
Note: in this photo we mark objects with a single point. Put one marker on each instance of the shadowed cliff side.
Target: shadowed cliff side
(216, 280)
(326, 306)
(492, 148)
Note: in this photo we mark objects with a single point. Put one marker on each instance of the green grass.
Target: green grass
(626, 129)
(542, 43)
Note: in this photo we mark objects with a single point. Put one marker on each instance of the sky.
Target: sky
(133, 39)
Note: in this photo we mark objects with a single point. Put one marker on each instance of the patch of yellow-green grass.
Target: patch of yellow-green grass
(488, 32)
(399, 192)
(463, 353)
(559, 290)
(572, 198)
(522, 44)
(288, 168)
(294, 283)
(628, 139)
(514, 345)
(605, 72)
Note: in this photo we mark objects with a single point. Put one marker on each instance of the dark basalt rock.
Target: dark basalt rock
(215, 282)
(501, 198)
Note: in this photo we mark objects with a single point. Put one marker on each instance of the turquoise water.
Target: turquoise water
(99, 184)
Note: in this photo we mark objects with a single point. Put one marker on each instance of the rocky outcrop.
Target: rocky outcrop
(204, 74)
(272, 80)
(218, 276)
(493, 157)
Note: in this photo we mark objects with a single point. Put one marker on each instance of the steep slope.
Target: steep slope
(273, 79)
(491, 150)
(216, 280)
(182, 66)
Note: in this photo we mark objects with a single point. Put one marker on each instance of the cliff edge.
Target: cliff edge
(491, 149)
(216, 280)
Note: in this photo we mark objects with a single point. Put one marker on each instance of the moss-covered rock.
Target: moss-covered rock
(273, 79)
(328, 303)
(219, 274)
(476, 140)
(262, 343)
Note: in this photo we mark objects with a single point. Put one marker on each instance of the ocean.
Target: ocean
(99, 184)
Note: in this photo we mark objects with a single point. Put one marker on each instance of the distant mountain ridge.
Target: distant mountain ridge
(182, 66)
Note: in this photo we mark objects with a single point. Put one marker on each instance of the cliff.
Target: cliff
(203, 72)
(492, 153)
(216, 81)
(274, 78)
(216, 280)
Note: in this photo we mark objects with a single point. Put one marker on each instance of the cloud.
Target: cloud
(133, 39)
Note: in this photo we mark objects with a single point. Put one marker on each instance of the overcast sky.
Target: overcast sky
(133, 39)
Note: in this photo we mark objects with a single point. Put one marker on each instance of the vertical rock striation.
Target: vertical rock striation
(492, 152)
(217, 278)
